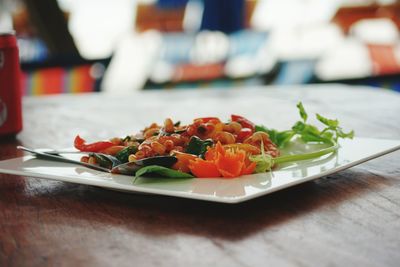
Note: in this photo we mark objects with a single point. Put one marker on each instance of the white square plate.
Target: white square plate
(351, 153)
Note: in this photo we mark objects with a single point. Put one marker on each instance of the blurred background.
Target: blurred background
(75, 46)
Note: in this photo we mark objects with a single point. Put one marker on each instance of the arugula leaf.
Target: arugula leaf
(334, 129)
(308, 133)
(341, 134)
(302, 111)
(198, 146)
(153, 170)
(328, 122)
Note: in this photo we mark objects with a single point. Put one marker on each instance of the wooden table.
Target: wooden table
(351, 218)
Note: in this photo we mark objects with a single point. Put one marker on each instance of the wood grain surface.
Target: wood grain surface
(351, 218)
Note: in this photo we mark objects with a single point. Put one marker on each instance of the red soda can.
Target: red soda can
(10, 86)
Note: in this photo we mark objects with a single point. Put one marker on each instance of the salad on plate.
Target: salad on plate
(209, 147)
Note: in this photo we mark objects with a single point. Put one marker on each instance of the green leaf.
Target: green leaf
(328, 135)
(308, 133)
(302, 111)
(198, 146)
(328, 122)
(342, 134)
(284, 137)
(298, 127)
(155, 170)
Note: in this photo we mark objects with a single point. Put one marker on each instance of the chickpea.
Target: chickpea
(177, 139)
(154, 125)
(224, 138)
(150, 132)
(227, 128)
(169, 126)
(132, 158)
(261, 137)
(140, 154)
(219, 127)
(169, 145)
(257, 138)
(235, 127)
(92, 160)
(157, 147)
(146, 149)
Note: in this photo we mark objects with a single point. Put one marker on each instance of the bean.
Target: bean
(132, 158)
(169, 126)
(224, 137)
(157, 147)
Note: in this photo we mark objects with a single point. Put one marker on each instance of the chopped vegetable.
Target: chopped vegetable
(81, 145)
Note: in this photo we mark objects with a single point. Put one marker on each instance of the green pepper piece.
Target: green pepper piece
(123, 155)
(198, 146)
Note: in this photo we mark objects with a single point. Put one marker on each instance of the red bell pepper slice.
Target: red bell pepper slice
(244, 134)
(81, 145)
(244, 122)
